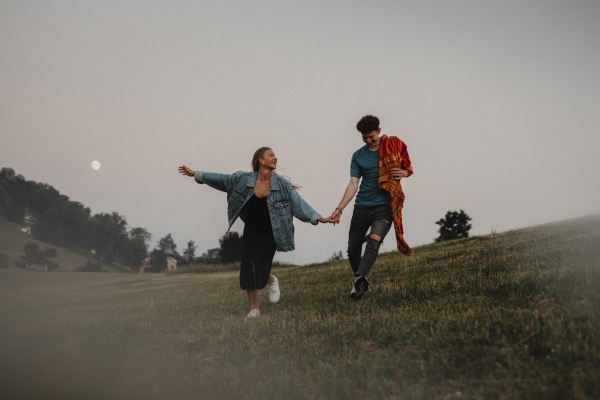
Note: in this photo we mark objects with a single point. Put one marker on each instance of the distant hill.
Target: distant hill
(12, 241)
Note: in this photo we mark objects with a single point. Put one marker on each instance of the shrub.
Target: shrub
(454, 226)
(90, 266)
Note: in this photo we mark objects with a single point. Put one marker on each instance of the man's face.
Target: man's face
(372, 138)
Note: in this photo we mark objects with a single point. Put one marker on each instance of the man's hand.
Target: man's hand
(335, 216)
(325, 220)
(186, 171)
(398, 173)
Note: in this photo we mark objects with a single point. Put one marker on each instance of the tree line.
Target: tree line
(70, 224)
(65, 223)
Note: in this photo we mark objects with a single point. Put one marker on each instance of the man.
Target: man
(381, 164)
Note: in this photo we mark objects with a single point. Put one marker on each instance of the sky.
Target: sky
(497, 101)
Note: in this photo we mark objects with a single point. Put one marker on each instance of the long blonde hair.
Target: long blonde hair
(256, 164)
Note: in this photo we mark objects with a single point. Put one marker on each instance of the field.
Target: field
(206, 268)
(505, 316)
(12, 241)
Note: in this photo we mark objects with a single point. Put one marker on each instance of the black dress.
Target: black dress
(258, 245)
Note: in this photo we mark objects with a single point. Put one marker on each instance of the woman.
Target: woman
(266, 202)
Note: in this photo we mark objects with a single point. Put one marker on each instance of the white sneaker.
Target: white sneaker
(254, 313)
(274, 292)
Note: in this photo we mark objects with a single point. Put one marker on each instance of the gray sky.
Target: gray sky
(498, 102)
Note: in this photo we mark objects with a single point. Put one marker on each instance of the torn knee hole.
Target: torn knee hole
(376, 237)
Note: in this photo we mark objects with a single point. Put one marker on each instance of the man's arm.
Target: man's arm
(351, 190)
(406, 170)
(401, 173)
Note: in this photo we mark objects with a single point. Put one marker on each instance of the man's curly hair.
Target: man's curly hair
(368, 124)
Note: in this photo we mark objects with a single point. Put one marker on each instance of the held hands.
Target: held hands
(325, 220)
(335, 217)
(186, 171)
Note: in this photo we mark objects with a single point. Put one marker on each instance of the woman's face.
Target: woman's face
(268, 159)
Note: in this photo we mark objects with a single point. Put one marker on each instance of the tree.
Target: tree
(67, 223)
(59, 221)
(33, 255)
(140, 233)
(158, 260)
(109, 233)
(210, 257)
(135, 248)
(454, 226)
(189, 253)
(164, 242)
(13, 195)
(337, 256)
(158, 257)
(230, 249)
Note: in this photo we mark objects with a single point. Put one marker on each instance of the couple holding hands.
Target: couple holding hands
(267, 203)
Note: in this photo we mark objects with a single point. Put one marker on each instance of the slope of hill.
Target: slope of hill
(506, 316)
(12, 241)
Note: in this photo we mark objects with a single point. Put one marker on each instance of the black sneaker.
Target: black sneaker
(361, 285)
(354, 294)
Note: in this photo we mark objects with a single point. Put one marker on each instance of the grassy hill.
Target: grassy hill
(506, 316)
(12, 241)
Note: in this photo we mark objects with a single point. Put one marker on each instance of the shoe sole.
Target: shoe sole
(361, 287)
(356, 296)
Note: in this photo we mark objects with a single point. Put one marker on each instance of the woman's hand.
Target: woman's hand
(186, 171)
(326, 220)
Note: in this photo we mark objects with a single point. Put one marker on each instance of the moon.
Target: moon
(96, 165)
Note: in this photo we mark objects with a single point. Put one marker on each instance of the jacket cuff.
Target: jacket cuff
(315, 218)
(198, 176)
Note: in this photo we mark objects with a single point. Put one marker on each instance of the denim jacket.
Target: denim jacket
(283, 202)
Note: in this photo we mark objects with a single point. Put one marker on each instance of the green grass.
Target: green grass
(207, 268)
(513, 315)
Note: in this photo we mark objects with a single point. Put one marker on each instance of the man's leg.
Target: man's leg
(380, 222)
(359, 226)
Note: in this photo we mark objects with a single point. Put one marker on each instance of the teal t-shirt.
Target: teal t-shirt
(365, 165)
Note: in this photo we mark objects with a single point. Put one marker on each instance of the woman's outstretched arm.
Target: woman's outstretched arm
(186, 171)
(222, 182)
(304, 212)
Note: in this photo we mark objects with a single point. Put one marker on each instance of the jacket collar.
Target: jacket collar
(273, 180)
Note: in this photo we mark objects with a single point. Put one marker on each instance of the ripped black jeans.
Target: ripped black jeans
(379, 219)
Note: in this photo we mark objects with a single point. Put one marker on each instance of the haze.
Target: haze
(498, 102)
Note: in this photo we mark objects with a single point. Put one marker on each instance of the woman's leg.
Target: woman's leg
(253, 297)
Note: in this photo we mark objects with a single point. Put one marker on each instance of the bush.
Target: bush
(230, 249)
(454, 226)
(33, 255)
(90, 266)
